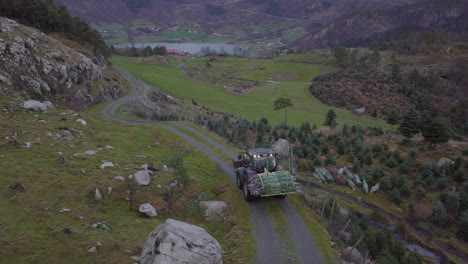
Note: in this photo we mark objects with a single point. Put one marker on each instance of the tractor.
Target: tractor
(259, 175)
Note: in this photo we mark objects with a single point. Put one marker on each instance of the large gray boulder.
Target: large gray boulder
(176, 242)
(359, 111)
(213, 210)
(142, 178)
(37, 106)
(444, 162)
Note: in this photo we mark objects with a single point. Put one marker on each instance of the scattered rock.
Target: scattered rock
(359, 111)
(17, 186)
(444, 161)
(344, 235)
(355, 256)
(343, 211)
(67, 231)
(109, 147)
(81, 121)
(147, 210)
(97, 194)
(213, 210)
(37, 106)
(92, 250)
(109, 190)
(167, 169)
(101, 225)
(88, 152)
(178, 242)
(119, 178)
(63, 210)
(142, 178)
(170, 99)
(141, 156)
(173, 184)
(27, 145)
(106, 164)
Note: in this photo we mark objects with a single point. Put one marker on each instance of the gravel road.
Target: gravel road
(270, 247)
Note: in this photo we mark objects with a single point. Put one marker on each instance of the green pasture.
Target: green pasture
(294, 80)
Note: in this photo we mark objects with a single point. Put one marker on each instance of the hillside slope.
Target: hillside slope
(36, 66)
(428, 15)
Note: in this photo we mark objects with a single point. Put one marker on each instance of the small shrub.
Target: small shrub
(462, 232)
(385, 184)
(330, 160)
(452, 203)
(405, 167)
(420, 192)
(377, 148)
(404, 190)
(325, 150)
(411, 258)
(391, 163)
(378, 172)
(356, 165)
(395, 197)
(413, 153)
(459, 175)
(442, 183)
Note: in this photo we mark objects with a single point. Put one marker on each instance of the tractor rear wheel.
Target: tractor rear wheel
(238, 181)
(247, 196)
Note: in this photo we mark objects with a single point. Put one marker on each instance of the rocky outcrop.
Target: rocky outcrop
(36, 66)
(176, 242)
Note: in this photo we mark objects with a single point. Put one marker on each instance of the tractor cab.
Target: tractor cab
(260, 159)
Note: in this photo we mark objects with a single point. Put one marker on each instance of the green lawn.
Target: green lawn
(257, 103)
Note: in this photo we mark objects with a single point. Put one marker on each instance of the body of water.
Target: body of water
(192, 48)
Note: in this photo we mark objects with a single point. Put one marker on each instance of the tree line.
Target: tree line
(49, 18)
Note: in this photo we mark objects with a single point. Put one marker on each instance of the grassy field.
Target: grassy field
(293, 79)
(31, 226)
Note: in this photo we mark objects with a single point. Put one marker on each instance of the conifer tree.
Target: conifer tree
(330, 119)
(436, 131)
(393, 118)
(409, 125)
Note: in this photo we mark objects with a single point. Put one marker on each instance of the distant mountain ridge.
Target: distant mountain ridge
(240, 20)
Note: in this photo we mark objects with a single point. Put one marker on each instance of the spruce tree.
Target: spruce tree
(409, 125)
(436, 132)
(393, 118)
(330, 119)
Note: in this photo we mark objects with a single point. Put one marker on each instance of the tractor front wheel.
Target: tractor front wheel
(247, 196)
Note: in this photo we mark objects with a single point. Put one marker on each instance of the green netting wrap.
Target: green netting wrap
(272, 183)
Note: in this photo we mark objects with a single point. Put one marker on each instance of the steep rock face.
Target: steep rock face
(36, 66)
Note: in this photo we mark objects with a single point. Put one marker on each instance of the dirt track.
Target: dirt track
(270, 246)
